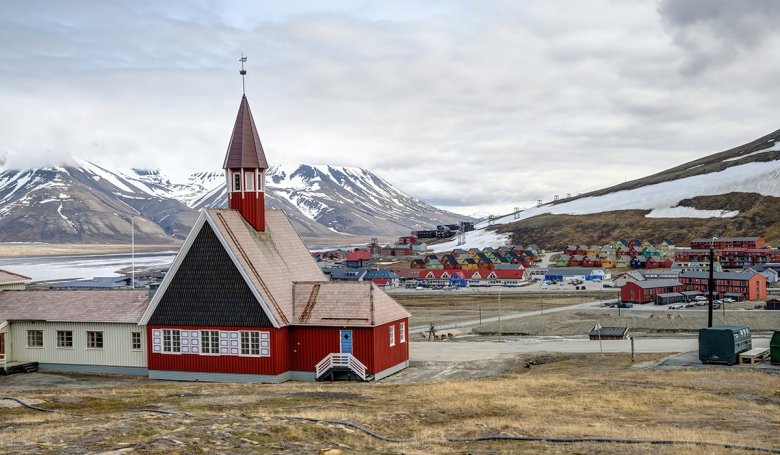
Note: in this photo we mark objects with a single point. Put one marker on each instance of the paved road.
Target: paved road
(448, 351)
(506, 317)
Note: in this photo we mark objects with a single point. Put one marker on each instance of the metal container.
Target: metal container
(723, 344)
(774, 348)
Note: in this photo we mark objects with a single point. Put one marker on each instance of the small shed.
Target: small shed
(737, 296)
(608, 333)
(667, 298)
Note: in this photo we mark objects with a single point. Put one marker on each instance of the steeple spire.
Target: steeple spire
(245, 166)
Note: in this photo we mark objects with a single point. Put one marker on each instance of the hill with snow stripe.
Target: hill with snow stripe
(690, 200)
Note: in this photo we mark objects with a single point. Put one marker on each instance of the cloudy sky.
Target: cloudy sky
(473, 106)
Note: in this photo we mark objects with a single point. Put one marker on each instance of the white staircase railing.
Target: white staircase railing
(341, 360)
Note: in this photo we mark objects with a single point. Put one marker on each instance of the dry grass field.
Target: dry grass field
(451, 306)
(563, 396)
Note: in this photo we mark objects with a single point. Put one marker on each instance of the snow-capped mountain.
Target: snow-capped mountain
(89, 203)
(735, 192)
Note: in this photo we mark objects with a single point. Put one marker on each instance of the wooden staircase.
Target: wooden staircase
(340, 367)
(7, 368)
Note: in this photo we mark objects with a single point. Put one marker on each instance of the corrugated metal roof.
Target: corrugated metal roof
(340, 303)
(272, 259)
(670, 294)
(7, 277)
(277, 261)
(720, 275)
(657, 283)
(73, 306)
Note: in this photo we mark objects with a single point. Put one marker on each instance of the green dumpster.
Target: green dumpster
(774, 348)
(723, 344)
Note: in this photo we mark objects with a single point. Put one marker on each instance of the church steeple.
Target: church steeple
(245, 166)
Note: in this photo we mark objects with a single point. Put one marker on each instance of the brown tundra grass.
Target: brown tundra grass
(572, 396)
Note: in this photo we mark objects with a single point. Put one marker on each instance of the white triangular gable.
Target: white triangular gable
(492, 276)
(177, 261)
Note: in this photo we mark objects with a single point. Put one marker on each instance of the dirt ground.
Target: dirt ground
(659, 323)
(567, 396)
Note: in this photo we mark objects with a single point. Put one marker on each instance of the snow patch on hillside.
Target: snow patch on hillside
(690, 212)
(762, 178)
(474, 239)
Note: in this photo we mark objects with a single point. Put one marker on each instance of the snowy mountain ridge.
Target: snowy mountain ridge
(94, 203)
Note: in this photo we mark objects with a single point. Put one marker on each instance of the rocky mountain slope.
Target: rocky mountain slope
(89, 203)
(731, 193)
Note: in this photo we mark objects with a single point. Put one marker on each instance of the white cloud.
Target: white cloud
(476, 106)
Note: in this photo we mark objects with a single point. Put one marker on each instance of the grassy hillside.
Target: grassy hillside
(758, 216)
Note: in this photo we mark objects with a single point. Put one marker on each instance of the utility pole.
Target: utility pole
(711, 282)
(499, 315)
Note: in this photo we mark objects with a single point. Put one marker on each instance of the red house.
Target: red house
(646, 291)
(244, 301)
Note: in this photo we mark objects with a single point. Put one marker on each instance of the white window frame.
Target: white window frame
(236, 180)
(64, 346)
(402, 332)
(248, 348)
(392, 335)
(249, 181)
(209, 342)
(29, 338)
(168, 346)
(133, 336)
(92, 343)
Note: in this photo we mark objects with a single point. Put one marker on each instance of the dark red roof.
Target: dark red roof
(245, 149)
(359, 255)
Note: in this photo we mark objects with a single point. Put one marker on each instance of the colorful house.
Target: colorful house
(243, 300)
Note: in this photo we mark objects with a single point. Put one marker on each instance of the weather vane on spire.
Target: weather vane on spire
(242, 73)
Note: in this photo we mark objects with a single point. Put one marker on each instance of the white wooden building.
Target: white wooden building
(74, 331)
(12, 281)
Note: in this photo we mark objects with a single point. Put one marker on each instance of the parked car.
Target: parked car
(700, 298)
(728, 300)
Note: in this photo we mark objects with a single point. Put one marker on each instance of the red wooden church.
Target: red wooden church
(245, 301)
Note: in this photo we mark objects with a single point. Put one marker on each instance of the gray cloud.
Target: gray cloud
(480, 107)
(713, 32)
